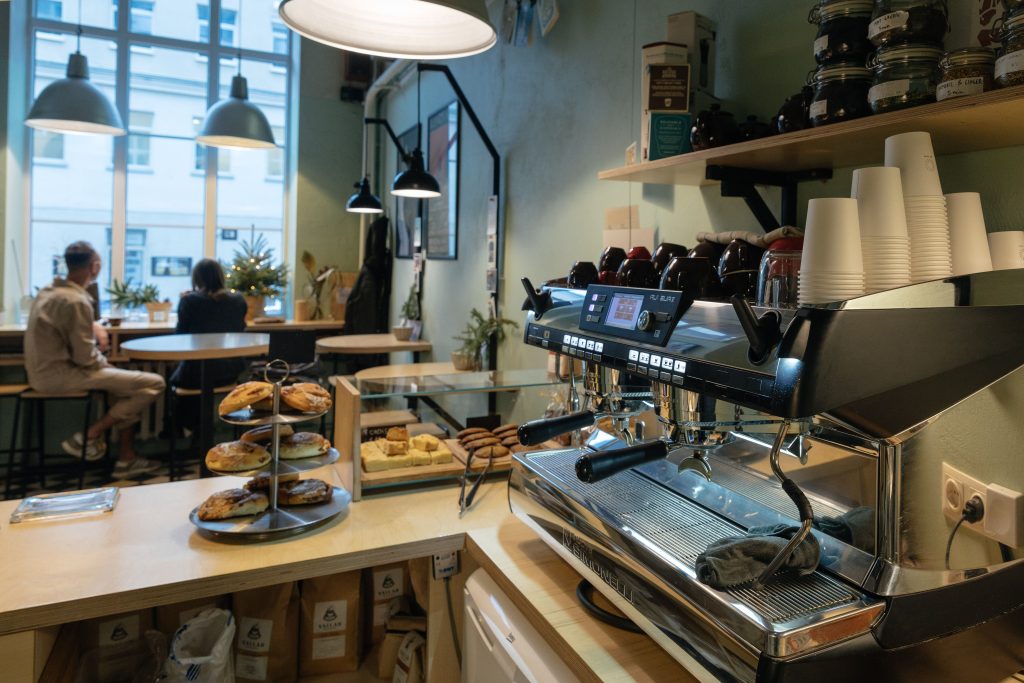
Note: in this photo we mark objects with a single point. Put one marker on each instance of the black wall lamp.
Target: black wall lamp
(413, 181)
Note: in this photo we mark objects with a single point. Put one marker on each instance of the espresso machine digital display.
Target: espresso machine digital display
(624, 310)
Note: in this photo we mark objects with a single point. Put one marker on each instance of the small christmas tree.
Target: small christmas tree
(252, 271)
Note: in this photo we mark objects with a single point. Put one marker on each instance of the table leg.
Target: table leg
(205, 440)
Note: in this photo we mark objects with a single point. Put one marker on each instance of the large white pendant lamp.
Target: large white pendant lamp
(413, 29)
(73, 104)
(236, 123)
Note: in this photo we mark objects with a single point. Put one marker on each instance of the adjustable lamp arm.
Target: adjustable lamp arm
(391, 134)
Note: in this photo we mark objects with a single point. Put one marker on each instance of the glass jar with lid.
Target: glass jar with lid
(967, 71)
(840, 93)
(904, 76)
(1010, 65)
(842, 30)
(908, 21)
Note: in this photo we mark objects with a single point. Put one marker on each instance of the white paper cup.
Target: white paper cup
(967, 235)
(879, 194)
(832, 237)
(913, 154)
(1007, 249)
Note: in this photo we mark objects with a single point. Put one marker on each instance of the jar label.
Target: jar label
(884, 91)
(1011, 63)
(820, 45)
(819, 108)
(959, 87)
(887, 22)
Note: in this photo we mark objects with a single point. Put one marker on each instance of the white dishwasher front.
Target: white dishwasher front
(499, 643)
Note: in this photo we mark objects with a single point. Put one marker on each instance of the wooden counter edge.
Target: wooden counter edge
(154, 596)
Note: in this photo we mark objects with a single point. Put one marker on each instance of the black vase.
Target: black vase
(664, 254)
(638, 273)
(611, 259)
(738, 268)
(582, 275)
(691, 276)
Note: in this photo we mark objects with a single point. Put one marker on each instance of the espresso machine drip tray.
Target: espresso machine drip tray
(684, 531)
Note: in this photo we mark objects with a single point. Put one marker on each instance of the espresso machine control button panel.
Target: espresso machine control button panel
(641, 315)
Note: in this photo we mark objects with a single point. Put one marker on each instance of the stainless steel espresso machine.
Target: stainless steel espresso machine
(868, 423)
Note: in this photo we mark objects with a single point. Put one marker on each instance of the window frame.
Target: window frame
(213, 52)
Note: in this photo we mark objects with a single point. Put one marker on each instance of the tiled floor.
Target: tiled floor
(68, 480)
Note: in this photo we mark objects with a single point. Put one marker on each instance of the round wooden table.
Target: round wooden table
(370, 343)
(202, 348)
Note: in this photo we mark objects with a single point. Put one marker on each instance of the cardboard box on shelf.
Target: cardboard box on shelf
(669, 134)
(330, 633)
(697, 33)
(654, 54)
(267, 629)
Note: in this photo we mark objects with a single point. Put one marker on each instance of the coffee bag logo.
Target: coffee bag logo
(119, 633)
(388, 584)
(330, 616)
(254, 634)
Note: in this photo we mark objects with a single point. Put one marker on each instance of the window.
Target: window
(279, 33)
(47, 145)
(140, 17)
(228, 17)
(275, 157)
(172, 206)
(50, 9)
(140, 123)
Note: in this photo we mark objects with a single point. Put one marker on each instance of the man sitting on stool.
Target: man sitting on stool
(61, 356)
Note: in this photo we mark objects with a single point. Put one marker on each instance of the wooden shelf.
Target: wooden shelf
(966, 124)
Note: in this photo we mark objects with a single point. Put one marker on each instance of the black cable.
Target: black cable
(952, 535)
(585, 592)
(451, 620)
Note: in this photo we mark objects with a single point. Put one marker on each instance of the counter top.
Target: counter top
(147, 553)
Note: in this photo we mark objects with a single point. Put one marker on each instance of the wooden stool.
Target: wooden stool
(170, 419)
(12, 391)
(36, 413)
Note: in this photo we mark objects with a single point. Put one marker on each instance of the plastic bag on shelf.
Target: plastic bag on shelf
(201, 649)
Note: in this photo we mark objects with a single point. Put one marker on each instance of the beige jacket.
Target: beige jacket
(59, 339)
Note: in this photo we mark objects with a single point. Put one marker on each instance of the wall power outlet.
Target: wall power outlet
(446, 564)
(1004, 508)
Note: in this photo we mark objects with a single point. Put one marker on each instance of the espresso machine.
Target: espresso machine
(867, 423)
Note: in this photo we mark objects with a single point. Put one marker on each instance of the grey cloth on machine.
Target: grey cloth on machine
(737, 561)
(757, 239)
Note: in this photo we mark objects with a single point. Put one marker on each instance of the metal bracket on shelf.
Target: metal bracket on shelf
(740, 182)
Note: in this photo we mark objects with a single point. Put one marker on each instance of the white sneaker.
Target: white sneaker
(124, 470)
(94, 450)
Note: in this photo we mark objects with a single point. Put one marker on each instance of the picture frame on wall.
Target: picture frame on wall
(408, 211)
(442, 219)
(170, 266)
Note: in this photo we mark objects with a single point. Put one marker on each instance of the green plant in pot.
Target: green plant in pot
(253, 274)
(476, 337)
(126, 297)
(410, 314)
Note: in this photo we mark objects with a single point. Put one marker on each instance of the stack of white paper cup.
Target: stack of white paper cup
(927, 220)
(831, 267)
(1007, 249)
(883, 227)
(967, 235)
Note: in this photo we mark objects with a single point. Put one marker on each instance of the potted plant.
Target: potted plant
(124, 296)
(410, 314)
(476, 336)
(253, 274)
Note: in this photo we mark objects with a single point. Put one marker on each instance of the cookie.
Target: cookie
(472, 430)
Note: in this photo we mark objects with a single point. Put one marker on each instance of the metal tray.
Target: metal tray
(65, 505)
(288, 466)
(247, 417)
(274, 524)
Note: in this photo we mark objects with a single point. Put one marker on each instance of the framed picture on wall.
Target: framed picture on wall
(408, 211)
(442, 220)
(170, 266)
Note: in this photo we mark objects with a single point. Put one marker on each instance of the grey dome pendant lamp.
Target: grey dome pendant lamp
(364, 201)
(407, 29)
(236, 123)
(415, 181)
(73, 104)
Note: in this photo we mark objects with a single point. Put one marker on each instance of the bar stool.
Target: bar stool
(35, 414)
(170, 419)
(13, 392)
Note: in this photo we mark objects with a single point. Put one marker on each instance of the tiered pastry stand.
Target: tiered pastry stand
(275, 523)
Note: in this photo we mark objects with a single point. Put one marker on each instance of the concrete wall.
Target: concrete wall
(565, 108)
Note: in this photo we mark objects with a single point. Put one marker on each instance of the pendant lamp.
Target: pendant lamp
(236, 123)
(413, 29)
(73, 104)
(364, 200)
(414, 181)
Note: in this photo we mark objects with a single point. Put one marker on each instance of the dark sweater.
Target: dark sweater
(199, 312)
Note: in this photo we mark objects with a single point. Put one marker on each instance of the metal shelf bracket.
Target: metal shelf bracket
(740, 182)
